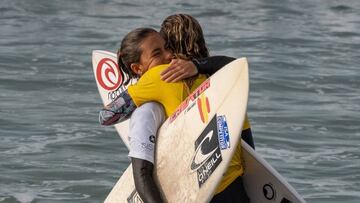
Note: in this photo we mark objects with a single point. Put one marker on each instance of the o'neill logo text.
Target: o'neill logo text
(207, 155)
(108, 74)
(204, 107)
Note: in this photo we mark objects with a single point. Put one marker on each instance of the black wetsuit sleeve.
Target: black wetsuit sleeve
(210, 65)
(144, 181)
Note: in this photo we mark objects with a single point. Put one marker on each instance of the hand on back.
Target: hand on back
(178, 70)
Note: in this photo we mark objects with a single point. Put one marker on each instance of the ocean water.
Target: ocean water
(304, 102)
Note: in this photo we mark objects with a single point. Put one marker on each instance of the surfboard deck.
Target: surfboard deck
(174, 156)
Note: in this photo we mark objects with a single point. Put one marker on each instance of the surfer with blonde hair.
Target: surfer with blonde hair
(184, 37)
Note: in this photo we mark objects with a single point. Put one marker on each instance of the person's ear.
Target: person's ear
(136, 68)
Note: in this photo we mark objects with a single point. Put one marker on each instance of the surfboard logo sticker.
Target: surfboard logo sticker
(207, 155)
(223, 133)
(204, 107)
(108, 74)
(134, 198)
(269, 191)
(202, 156)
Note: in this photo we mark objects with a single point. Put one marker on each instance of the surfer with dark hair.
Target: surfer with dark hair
(145, 52)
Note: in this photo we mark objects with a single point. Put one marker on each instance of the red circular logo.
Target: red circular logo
(108, 74)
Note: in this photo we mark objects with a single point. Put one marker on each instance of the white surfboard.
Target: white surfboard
(109, 81)
(183, 174)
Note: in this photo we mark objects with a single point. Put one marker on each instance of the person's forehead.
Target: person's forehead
(154, 36)
(152, 41)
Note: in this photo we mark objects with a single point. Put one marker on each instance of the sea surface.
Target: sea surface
(304, 104)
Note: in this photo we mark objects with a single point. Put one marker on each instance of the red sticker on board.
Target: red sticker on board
(204, 107)
(108, 74)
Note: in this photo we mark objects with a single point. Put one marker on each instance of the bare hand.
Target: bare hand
(179, 69)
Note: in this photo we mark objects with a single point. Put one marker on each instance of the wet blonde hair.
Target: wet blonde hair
(184, 37)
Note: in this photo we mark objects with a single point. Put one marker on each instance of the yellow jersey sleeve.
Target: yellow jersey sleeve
(150, 87)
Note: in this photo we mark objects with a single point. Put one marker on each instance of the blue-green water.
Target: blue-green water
(304, 102)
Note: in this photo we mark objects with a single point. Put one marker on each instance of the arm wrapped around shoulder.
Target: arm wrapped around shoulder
(210, 65)
(118, 110)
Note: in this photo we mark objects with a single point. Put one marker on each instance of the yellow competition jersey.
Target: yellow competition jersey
(151, 88)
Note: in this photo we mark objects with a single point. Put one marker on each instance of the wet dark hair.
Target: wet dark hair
(184, 37)
(130, 52)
